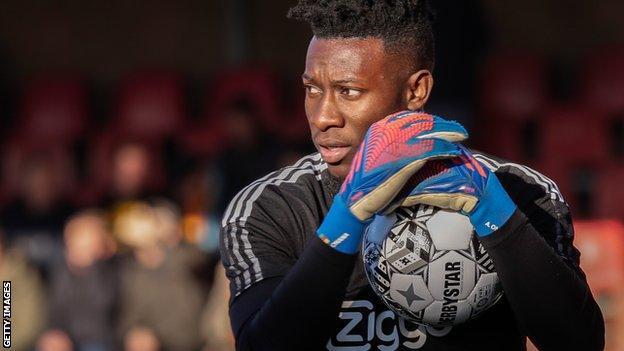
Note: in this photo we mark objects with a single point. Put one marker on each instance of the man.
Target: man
(290, 240)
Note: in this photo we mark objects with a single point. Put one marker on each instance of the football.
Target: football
(428, 266)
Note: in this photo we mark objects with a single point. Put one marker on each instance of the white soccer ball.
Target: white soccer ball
(428, 266)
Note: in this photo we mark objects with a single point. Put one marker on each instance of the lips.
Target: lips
(333, 154)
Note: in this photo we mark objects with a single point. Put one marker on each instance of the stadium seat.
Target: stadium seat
(603, 80)
(201, 142)
(573, 150)
(150, 106)
(513, 95)
(53, 109)
(610, 193)
(602, 85)
(574, 135)
(510, 139)
(255, 85)
(513, 86)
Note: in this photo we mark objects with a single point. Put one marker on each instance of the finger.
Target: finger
(453, 201)
(386, 191)
(447, 130)
(425, 125)
(424, 149)
(406, 116)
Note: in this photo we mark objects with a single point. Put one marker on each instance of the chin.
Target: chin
(339, 170)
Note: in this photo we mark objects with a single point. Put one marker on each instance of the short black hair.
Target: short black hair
(403, 25)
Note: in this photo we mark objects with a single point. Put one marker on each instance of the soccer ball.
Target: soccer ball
(428, 266)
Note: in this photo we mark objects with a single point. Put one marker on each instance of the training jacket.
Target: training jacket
(289, 291)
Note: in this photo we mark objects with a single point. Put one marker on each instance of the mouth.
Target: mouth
(333, 154)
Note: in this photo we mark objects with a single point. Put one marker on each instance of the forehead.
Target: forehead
(347, 56)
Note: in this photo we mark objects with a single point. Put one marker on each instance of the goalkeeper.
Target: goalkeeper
(290, 240)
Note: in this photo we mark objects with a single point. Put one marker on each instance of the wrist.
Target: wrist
(340, 229)
(493, 209)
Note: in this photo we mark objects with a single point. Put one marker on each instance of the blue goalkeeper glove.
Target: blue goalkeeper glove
(462, 184)
(392, 151)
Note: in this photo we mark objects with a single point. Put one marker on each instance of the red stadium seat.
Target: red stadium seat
(574, 135)
(573, 149)
(258, 86)
(610, 193)
(513, 140)
(204, 141)
(603, 90)
(150, 106)
(53, 109)
(513, 95)
(513, 86)
(603, 80)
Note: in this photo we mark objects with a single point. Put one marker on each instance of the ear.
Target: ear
(418, 89)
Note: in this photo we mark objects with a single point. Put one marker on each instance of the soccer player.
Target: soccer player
(290, 240)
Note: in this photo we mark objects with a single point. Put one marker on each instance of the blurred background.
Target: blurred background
(128, 125)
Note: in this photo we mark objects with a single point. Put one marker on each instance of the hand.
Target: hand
(393, 150)
(462, 184)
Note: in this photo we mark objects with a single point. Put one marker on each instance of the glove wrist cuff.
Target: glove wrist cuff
(493, 209)
(340, 229)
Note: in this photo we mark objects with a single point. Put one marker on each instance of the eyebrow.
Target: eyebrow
(334, 82)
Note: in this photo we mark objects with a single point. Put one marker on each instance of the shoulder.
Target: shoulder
(262, 230)
(540, 199)
(515, 175)
(275, 189)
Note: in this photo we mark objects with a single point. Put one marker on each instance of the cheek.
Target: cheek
(371, 111)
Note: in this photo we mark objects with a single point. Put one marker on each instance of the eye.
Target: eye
(350, 92)
(312, 90)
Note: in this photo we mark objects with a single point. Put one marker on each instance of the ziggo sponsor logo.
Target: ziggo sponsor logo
(365, 327)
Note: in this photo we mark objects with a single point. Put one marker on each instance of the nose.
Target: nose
(323, 113)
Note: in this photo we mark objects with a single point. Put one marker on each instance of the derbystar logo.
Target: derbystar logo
(452, 289)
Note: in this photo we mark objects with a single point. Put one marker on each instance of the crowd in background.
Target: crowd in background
(137, 267)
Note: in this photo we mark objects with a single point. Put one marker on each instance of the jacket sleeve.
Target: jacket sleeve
(538, 266)
(280, 301)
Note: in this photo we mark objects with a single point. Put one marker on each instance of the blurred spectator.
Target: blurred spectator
(247, 154)
(28, 312)
(130, 171)
(141, 339)
(83, 285)
(197, 194)
(216, 328)
(161, 281)
(55, 340)
(34, 221)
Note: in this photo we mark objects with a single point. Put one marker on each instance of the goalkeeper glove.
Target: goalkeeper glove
(393, 150)
(463, 184)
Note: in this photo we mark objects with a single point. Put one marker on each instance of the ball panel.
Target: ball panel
(408, 249)
(450, 230)
(410, 291)
(485, 293)
(451, 276)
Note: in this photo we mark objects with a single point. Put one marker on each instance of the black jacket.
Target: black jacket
(292, 292)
